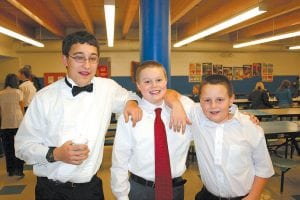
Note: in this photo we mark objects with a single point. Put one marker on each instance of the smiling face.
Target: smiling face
(152, 83)
(215, 102)
(81, 73)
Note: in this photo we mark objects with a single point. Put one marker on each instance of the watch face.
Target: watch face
(50, 156)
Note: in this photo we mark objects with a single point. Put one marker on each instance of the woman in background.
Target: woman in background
(259, 97)
(284, 94)
(11, 110)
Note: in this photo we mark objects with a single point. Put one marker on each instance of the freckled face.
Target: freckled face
(81, 73)
(215, 102)
(153, 84)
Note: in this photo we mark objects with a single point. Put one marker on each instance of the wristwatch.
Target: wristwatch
(49, 155)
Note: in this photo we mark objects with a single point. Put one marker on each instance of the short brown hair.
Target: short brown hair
(217, 79)
(148, 64)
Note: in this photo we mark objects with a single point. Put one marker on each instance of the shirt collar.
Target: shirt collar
(149, 107)
(73, 83)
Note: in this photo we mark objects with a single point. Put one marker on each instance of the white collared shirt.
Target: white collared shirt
(28, 90)
(230, 154)
(55, 116)
(134, 148)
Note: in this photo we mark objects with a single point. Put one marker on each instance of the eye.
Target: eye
(93, 59)
(206, 100)
(80, 58)
(147, 82)
(220, 99)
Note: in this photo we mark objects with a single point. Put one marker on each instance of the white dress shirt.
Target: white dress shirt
(133, 149)
(230, 154)
(28, 90)
(55, 116)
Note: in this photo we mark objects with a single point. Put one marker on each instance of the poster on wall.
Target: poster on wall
(104, 68)
(238, 73)
(52, 77)
(195, 72)
(217, 69)
(267, 72)
(227, 71)
(256, 69)
(247, 70)
(206, 69)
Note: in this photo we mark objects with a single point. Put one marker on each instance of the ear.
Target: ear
(232, 99)
(138, 86)
(65, 60)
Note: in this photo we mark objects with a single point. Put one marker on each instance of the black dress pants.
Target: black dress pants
(53, 190)
(13, 164)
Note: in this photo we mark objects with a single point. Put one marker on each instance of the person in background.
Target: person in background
(259, 97)
(26, 86)
(284, 94)
(62, 134)
(195, 93)
(296, 88)
(34, 79)
(11, 111)
(233, 158)
(134, 147)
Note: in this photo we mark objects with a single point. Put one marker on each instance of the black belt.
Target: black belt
(211, 196)
(178, 181)
(66, 184)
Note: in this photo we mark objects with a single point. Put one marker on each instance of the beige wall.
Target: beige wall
(49, 59)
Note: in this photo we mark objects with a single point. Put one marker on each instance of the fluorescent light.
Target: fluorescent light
(20, 37)
(109, 10)
(294, 47)
(267, 39)
(226, 24)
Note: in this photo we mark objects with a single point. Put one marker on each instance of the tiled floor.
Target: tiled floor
(13, 188)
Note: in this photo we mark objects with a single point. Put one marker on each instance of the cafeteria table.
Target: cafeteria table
(282, 129)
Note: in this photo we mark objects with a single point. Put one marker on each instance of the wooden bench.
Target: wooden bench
(284, 165)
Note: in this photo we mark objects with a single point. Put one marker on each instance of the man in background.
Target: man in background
(26, 86)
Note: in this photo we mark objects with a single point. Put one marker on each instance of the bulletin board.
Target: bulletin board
(52, 77)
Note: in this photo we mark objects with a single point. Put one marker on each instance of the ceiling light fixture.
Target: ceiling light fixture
(109, 10)
(267, 39)
(226, 24)
(18, 36)
(294, 47)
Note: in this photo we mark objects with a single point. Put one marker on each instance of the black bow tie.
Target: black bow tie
(76, 90)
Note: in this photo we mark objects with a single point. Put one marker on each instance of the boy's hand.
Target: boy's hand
(253, 118)
(70, 153)
(179, 119)
(132, 109)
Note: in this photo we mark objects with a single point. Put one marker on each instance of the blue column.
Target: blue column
(155, 34)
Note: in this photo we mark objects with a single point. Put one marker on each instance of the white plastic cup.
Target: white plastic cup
(79, 140)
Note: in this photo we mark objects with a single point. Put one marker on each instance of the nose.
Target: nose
(213, 104)
(87, 64)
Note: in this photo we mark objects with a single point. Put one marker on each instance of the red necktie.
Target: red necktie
(163, 180)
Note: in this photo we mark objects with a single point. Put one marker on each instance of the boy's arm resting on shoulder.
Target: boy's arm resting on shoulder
(256, 189)
(253, 118)
(179, 118)
(132, 109)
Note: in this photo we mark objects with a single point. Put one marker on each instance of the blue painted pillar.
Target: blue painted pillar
(155, 34)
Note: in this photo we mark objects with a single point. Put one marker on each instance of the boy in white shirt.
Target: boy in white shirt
(232, 155)
(133, 149)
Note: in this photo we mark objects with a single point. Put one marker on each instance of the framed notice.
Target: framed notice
(227, 71)
(195, 72)
(267, 72)
(52, 77)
